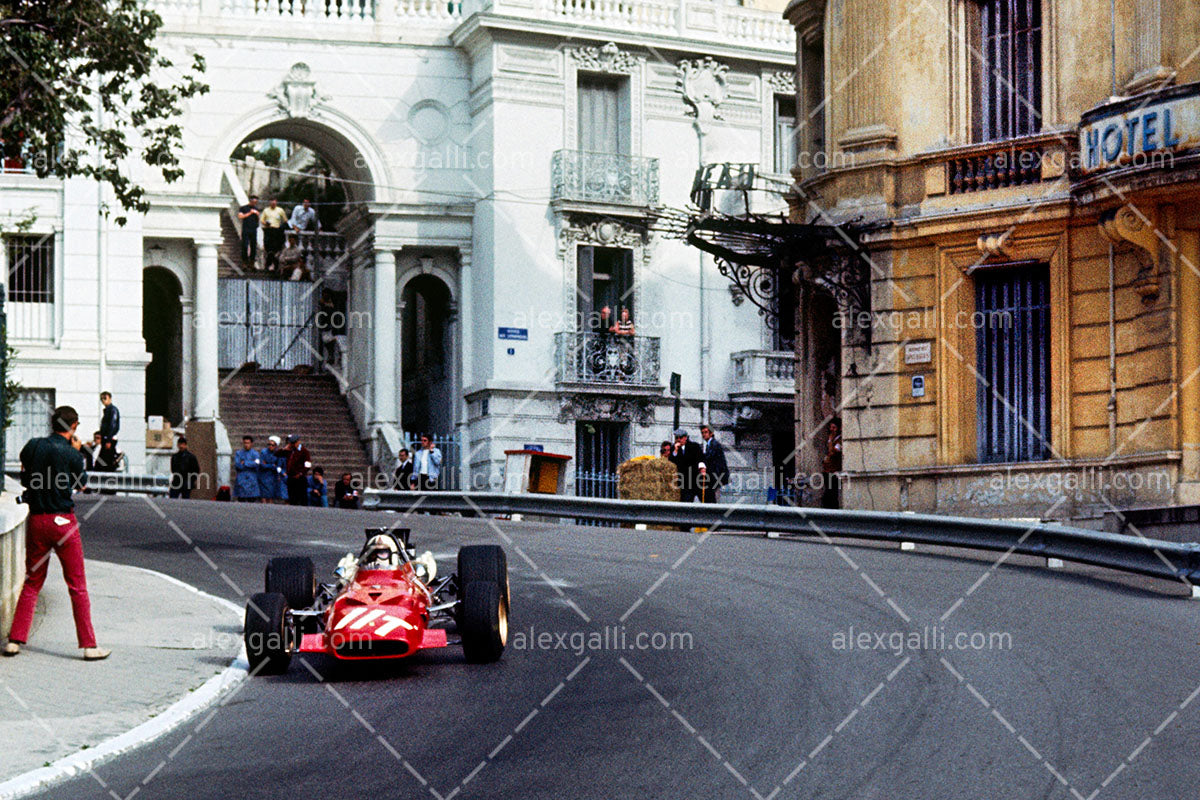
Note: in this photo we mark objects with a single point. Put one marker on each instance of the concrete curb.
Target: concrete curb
(170, 718)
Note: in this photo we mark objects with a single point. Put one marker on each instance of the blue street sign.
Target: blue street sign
(514, 334)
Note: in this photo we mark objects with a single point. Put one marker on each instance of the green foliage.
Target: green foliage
(83, 90)
(11, 387)
(270, 156)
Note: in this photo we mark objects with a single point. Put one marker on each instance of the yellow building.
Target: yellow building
(1025, 177)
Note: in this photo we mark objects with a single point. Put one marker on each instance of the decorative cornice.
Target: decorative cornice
(601, 232)
(609, 58)
(782, 82)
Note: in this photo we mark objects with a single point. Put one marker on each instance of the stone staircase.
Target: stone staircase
(262, 404)
(229, 253)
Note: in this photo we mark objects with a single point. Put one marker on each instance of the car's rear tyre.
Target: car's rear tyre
(294, 578)
(483, 622)
(267, 634)
(483, 562)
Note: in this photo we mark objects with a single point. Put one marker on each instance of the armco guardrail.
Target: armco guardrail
(128, 482)
(1159, 559)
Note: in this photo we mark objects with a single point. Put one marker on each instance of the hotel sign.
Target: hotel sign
(1141, 131)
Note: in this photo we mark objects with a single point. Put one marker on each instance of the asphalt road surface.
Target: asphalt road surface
(766, 689)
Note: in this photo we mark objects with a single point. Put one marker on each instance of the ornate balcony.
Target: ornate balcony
(763, 375)
(603, 179)
(598, 359)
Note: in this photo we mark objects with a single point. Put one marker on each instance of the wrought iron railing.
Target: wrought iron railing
(580, 176)
(606, 358)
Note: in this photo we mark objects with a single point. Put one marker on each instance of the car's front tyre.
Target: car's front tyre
(483, 621)
(267, 634)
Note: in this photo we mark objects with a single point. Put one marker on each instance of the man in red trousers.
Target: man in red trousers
(51, 470)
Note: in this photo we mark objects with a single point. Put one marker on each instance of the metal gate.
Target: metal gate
(268, 322)
(1013, 353)
(597, 455)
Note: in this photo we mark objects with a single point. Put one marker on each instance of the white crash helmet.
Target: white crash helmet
(381, 553)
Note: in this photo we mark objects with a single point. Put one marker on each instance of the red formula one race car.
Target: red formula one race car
(388, 602)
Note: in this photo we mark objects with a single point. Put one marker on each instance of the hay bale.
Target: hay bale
(647, 478)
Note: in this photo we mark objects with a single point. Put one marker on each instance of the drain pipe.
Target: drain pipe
(1112, 351)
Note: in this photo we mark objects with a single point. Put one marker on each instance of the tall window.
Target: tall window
(1013, 353)
(1006, 54)
(605, 281)
(30, 418)
(786, 143)
(604, 120)
(30, 286)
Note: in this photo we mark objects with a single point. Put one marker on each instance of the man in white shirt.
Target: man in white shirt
(304, 217)
(427, 465)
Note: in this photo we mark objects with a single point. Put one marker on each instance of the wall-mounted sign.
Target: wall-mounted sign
(514, 334)
(1136, 133)
(918, 352)
(918, 385)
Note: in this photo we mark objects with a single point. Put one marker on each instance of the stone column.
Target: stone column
(383, 398)
(1149, 72)
(187, 347)
(207, 383)
(1189, 365)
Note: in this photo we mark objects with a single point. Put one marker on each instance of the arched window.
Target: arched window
(1006, 54)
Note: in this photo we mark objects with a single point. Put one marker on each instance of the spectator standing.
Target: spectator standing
(318, 489)
(51, 469)
(402, 478)
(304, 217)
(274, 220)
(688, 460)
(299, 462)
(624, 324)
(110, 420)
(346, 493)
(664, 450)
(185, 470)
(248, 463)
(427, 465)
(250, 214)
(716, 468)
(831, 465)
(270, 477)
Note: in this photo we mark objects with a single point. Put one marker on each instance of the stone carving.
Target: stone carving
(603, 232)
(608, 58)
(598, 408)
(993, 244)
(1130, 228)
(297, 95)
(703, 83)
(782, 82)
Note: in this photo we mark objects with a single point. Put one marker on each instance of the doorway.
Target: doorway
(162, 328)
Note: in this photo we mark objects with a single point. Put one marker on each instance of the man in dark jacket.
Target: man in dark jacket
(689, 462)
(299, 462)
(715, 466)
(51, 470)
(110, 421)
(185, 469)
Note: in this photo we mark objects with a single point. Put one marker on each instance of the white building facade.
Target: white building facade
(502, 164)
